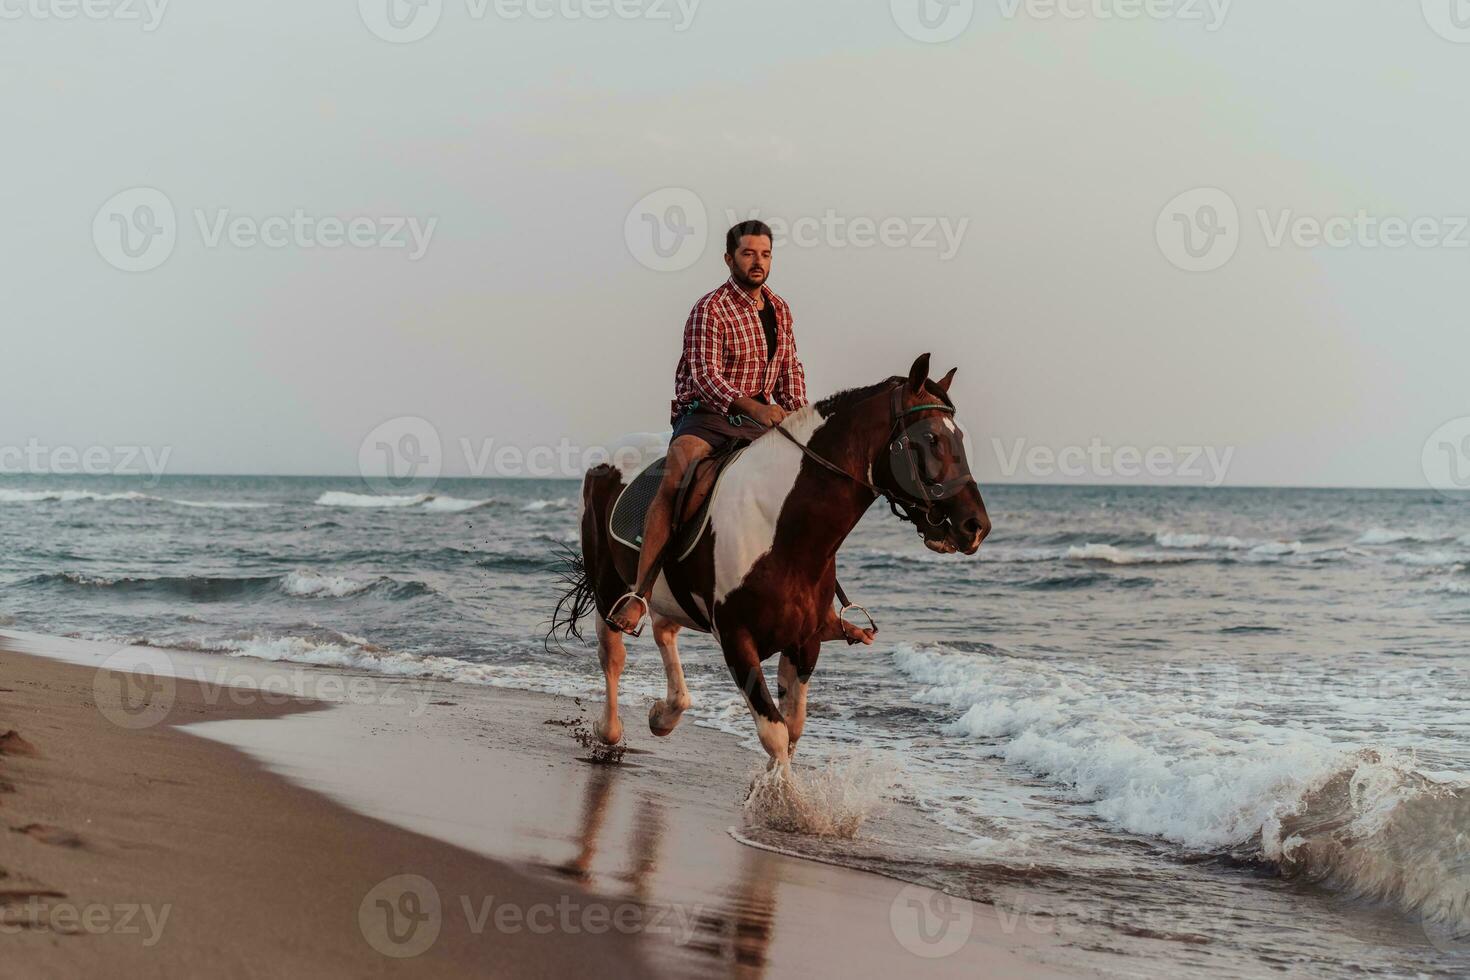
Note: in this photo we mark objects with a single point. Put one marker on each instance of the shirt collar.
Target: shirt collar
(742, 294)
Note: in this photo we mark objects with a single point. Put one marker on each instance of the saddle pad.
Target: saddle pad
(626, 522)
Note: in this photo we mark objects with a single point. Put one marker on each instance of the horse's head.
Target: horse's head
(925, 467)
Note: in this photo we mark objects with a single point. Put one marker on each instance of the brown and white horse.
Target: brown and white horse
(764, 575)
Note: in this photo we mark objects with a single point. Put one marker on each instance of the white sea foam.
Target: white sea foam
(308, 584)
(1430, 559)
(553, 504)
(1170, 539)
(1383, 535)
(431, 503)
(13, 496)
(1114, 555)
(1207, 775)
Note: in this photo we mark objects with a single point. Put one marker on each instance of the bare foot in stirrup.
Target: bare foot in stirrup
(622, 615)
(838, 628)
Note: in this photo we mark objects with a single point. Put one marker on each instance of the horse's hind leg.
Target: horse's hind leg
(665, 714)
(611, 654)
(745, 666)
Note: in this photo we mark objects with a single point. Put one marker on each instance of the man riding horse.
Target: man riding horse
(760, 574)
(738, 371)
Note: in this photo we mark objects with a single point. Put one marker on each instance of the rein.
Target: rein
(898, 442)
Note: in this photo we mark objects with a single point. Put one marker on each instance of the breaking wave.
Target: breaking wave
(428, 502)
(1216, 781)
(205, 588)
(12, 496)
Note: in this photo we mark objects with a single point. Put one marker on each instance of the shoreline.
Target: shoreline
(529, 857)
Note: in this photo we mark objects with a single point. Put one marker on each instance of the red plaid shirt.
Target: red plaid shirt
(725, 354)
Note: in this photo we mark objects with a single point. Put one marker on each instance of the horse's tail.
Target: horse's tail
(577, 598)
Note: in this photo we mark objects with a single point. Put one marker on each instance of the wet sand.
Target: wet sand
(448, 828)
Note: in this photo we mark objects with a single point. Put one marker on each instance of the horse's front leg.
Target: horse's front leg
(665, 714)
(611, 654)
(743, 659)
(791, 680)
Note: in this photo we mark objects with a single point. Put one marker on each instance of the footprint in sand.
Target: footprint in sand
(47, 834)
(12, 744)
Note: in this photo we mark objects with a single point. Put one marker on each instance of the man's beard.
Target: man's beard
(746, 283)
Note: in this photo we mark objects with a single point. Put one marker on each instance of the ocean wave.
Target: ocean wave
(1430, 559)
(1171, 539)
(428, 502)
(557, 503)
(1118, 556)
(1383, 535)
(12, 496)
(1214, 782)
(207, 588)
(1259, 547)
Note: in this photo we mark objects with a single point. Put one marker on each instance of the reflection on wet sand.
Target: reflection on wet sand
(730, 937)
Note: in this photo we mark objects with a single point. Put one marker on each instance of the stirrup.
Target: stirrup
(872, 624)
(637, 630)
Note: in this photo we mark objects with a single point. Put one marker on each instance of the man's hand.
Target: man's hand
(766, 415)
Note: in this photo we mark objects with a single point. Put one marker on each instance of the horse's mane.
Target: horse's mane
(847, 397)
(839, 400)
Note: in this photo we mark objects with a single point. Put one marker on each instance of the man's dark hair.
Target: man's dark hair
(751, 227)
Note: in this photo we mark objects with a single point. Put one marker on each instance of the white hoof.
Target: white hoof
(609, 734)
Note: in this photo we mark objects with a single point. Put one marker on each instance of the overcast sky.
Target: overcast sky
(1025, 175)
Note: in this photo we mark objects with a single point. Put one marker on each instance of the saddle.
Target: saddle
(691, 507)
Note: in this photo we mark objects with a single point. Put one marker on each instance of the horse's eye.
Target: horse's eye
(933, 440)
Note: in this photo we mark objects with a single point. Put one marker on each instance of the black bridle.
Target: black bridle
(930, 492)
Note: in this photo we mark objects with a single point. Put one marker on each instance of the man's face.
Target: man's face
(751, 263)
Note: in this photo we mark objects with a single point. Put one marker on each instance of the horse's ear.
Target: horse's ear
(944, 381)
(919, 373)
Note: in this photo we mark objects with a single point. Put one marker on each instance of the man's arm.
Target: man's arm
(790, 389)
(703, 342)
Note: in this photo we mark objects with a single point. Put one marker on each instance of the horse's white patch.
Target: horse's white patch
(668, 607)
(949, 424)
(751, 496)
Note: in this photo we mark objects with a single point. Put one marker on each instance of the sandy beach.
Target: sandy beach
(235, 817)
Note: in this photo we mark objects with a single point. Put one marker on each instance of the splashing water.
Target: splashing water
(830, 801)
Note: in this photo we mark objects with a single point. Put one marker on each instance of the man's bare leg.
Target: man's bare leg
(837, 628)
(658, 524)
